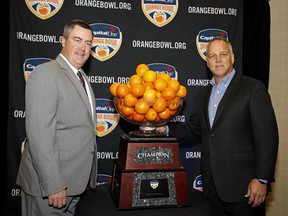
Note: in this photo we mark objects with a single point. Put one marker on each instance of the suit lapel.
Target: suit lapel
(71, 75)
(206, 96)
(233, 86)
(88, 88)
(93, 114)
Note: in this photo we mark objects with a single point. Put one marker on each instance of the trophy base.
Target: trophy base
(148, 188)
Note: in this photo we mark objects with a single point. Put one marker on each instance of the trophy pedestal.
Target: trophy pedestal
(148, 174)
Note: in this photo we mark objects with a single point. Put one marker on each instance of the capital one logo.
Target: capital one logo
(205, 36)
(106, 42)
(30, 64)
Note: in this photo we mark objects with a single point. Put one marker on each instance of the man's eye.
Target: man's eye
(77, 40)
(89, 44)
(211, 56)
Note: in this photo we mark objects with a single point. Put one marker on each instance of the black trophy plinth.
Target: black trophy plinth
(147, 173)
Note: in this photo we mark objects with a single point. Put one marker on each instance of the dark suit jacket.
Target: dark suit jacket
(242, 144)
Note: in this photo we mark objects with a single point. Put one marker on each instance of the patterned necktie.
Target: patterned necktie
(79, 74)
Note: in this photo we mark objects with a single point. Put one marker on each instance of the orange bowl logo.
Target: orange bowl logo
(106, 42)
(197, 183)
(160, 12)
(107, 117)
(204, 37)
(154, 183)
(30, 64)
(44, 9)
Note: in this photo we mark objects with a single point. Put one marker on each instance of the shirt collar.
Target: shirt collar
(225, 81)
(75, 70)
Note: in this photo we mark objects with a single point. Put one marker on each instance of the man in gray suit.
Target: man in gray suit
(59, 159)
(239, 136)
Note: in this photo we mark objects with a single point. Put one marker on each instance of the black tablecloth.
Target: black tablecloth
(100, 203)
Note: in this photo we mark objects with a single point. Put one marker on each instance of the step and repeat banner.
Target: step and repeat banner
(168, 35)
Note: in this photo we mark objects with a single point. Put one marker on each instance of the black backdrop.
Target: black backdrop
(256, 39)
(248, 31)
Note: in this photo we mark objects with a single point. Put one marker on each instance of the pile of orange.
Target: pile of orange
(148, 96)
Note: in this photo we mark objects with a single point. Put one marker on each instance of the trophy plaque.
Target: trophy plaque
(148, 152)
(147, 173)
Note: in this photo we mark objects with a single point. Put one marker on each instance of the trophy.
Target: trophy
(148, 173)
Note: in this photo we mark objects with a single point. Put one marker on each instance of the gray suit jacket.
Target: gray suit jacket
(60, 127)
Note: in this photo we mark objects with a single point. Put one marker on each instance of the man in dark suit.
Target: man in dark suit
(59, 159)
(239, 136)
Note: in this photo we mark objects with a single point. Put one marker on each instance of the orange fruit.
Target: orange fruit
(130, 100)
(164, 76)
(150, 95)
(182, 92)
(129, 117)
(122, 90)
(175, 84)
(174, 104)
(168, 93)
(120, 103)
(135, 79)
(173, 112)
(159, 105)
(127, 111)
(141, 69)
(157, 118)
(137, 90)
(158, 93)
(150, 76)
(148, 86)
(113, 88)
(138, 117)
(141, 106)
(165, 114)
(160, 84)
(119, 106)
(151, 115)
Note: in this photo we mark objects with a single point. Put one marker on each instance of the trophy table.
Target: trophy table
(147, 173)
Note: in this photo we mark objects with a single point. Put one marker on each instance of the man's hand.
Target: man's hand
(256, 193)
(161, 129)
(57, 200)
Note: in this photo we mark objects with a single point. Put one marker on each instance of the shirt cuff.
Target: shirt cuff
(167, 130)
(262, 181)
